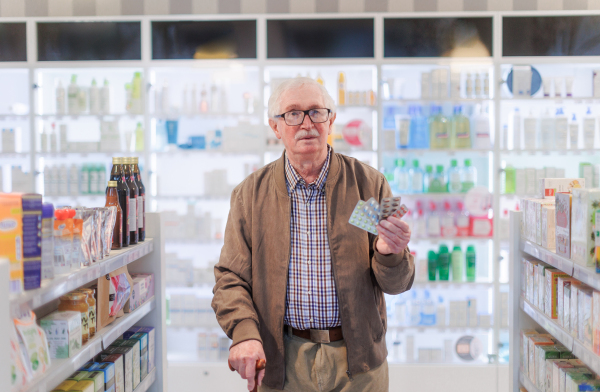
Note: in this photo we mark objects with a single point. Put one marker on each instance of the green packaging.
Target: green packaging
(432, 265)
(443, 263)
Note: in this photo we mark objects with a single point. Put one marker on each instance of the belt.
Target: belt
(316, 335)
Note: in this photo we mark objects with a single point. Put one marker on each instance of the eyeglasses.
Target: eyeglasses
(296, 117)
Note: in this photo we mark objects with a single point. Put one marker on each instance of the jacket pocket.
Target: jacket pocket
(377, 324)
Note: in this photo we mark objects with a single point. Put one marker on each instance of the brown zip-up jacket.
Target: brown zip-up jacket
(252, 272)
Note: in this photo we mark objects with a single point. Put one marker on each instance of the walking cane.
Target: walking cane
(260, 365)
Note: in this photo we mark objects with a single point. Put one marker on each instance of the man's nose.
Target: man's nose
(307, 122)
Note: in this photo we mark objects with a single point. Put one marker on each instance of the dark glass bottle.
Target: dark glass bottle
(116, 174)
(133, 201)
(112, 199)
(141, 199)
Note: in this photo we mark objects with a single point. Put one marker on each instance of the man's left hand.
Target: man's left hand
(394, 235)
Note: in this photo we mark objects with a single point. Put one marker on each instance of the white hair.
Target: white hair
(294, 83)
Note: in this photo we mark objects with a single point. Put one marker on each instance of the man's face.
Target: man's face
(308, 137)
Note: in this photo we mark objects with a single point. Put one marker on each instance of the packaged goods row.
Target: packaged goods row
(41, 242)
(525, 181)
(553, 86)
(112, 138)
(549, 131)
(11, 140)
(77, 100)
(439, 127)
(87, 179)
(459, 265)
(454, 179)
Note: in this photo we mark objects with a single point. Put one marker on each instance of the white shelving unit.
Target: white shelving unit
(147, 257)
(525, 315)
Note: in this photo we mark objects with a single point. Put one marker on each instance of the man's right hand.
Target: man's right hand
(243, 357)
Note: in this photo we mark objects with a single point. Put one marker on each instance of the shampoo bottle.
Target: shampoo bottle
(443, 263)
(574, 133)
(94, 98)
(515, 141)
(471, 263)
(402, 176)
(454, 182)
(419, 129)
(460, 130)
(105, 98)
(73, 96)
(61, 104)
(562, 130)
(457, 264)
(589, 130)
(431, 265)
(416, 178)
(530, 132)
(547, 131)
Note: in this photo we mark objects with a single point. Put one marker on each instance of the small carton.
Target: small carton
(142, 337)
(151, 345)
(567, 307)
(568, 373)
(63, 333)
(135, 346)
(531, 282)
(117, 360)
(550, 372)
(11, 238)
(585, 308)
(556, 366)
(538, 205)
(563, 224)
(98, 379)
(130, 332)
(89, 367)
(542, 354)
(83, 386)
(525, 334)
(574, 313)
(533, 342)
(143, 290)
(543, 292)
(65, 386)
(585, 203)
(127, 353)
(32, 240)
(549, 227)
(549, 187)
(596, 322)
(551, 304)
(78, 376)
(560, 284)
(108, 369)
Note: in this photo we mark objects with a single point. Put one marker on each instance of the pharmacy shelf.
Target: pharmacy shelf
(201, 116)
(537, 152)
(586, 355)
(60, 369)
(53, 288)
(434, 196)
(12, 117)
(191, 241)
(436, 284)
(146, 382)
(547, 256)
(587, 275)
(14, 155)
(191, 197)
(400, 101)
(449, 151)
(69, 154)
(439, 328)
(85, 116)
(526, 382)
(204, 152)
(557, 100)
(548, 324)
(437, 240)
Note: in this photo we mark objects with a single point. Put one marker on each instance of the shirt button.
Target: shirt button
(308, 292)
(308, 262)
(308, 233)
(310, 319)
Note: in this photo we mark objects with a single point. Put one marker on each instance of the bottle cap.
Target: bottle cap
(443, 249)
(137, 74)
(429, 169)
(47, 210)
(415, 163)
(117, 160)
(127, 160)
(467, 162)
(471, 248)
(431, 255)
(135, 160)
(112, 184)
(456, 247)
(439, 169)
(453, 163)
(397, 162)
(71, 213)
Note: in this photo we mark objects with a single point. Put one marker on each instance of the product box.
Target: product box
(117, 360)
(78, 376)
(98, 379)
(586, 171)
(142, 337)
(135, 346)
(151, 345)
(138, 294)
(65, 386)
(576, 372)
(567, 308)
(563, 224)
(63, 332)
(32, 240)
(596, 322)
(542, 354)
(127, 353)
(560, 284)
(539, 204)
(533, 342)
(585, 309)
(89, 367)
(130, 332)
(549, 187)
(108, 369)
(84, 386)
(556, 366)
(549, 227)
(530, 187)
(585, 203)
(11, 238)
(551, 303)
(574, 312)
(530, 269)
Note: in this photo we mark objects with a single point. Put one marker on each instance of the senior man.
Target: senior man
(296, 284)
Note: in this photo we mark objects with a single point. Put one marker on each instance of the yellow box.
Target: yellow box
(83, 386)
(11, 237)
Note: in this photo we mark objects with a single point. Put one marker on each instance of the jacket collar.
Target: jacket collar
(279, 168)
(293, 178)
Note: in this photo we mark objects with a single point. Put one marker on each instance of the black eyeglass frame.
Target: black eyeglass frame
(305, 112)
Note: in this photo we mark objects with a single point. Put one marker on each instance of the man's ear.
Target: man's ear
(273, 125)
(331, 120)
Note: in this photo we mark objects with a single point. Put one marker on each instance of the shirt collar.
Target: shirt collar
(293, 178)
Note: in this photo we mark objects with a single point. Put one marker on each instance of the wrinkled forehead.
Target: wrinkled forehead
(304, 97)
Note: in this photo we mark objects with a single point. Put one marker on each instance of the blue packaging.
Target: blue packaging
(32, 240)
(171, 126)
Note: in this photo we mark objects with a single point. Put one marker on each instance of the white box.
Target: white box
(549, 187)
(63, 332)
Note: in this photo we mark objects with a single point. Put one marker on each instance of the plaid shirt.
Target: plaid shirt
(311, 298)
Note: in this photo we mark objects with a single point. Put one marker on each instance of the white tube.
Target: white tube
(547, 83)
(569, 86)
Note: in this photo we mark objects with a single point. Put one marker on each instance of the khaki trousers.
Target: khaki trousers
(321, 367)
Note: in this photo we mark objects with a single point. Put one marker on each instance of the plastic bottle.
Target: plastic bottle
(562, 130)
(428, 310)
(441, 313)
(469, 91)
(443, 263)
(428, 179)
(203, 100)
(194, 109)
(547, 131)
(93, 179)
(471, 263)
(515, 132)
(480, 129)
(486, 85)
(589, 130)
(341, 89)
(420, 224)
(94, 98)
(73, 96)
(510, 176)
(101, 177)
(457, 264)
(431, 265)
(460, 130)
(439, 180)
(454, 181)
(73, 180)
(478, 86)
(47, 241)
(164, 98)
(434, 228)
(105, 98)
(448, 224)
(136, 94)
(61, 104)
(530, 125)
(403, 130)
(414, 309)
(469, 178)
(416, 178)
(139, 137)
(574, 133)
(84, 183)
(462, 221)
(402, 176)
(419, 129)
(128, 101)
(438, 129)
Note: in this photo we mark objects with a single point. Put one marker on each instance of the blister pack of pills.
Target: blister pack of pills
(368, 214)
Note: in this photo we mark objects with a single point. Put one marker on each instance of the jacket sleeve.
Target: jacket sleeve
(395, 273)
(232, 300)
